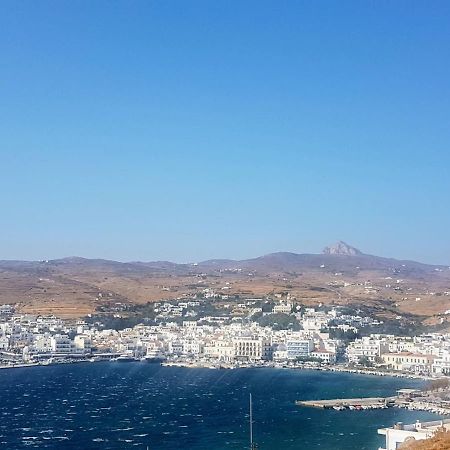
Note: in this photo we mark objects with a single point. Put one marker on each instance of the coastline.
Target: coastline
(228, 366)
(380, 373)
(416, 406)
(202, 404)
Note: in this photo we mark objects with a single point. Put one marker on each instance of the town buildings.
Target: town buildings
(226, 338)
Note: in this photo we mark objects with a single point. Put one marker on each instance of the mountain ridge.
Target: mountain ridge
(337, 253)
(76, 286)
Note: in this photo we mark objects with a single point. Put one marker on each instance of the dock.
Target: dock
(349, 403)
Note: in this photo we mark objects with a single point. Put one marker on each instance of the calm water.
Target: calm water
(132, 405)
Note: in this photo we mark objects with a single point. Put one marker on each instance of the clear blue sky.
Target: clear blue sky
(186, 130)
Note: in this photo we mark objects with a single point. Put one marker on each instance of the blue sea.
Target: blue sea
(116, 405)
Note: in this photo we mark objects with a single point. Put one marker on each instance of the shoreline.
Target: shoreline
(227, 366)
(379, 373)
(417, 406)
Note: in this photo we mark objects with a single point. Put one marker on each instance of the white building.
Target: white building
(4, 343)
(280, 354)
(367, 347)
(42, 344)
(408, 362)
(324, 355)
(190, 325)
(400, 433)
(282, 308)
(298, 348)
(315, 322)
(60, 343)
(221, 349)
(252, 348)
(441, 365)
(82, 343)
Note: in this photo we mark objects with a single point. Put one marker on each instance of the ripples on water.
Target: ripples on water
(135, 405)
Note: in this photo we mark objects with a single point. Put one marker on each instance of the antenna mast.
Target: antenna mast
(251, 423)
(253, 446)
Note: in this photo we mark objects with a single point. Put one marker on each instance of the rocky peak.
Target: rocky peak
(341, 248)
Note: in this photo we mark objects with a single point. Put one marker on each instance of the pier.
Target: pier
(411, 399)
(349, 403)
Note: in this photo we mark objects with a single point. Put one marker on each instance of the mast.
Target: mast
(253, 445)
(251, 423)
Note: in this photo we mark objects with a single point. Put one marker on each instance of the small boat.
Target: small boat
(153, 359)
(124, 358)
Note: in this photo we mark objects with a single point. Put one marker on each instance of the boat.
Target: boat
(153, 359)
(124, 358)
(339, 408)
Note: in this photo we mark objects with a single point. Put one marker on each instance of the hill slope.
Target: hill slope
(342, 274)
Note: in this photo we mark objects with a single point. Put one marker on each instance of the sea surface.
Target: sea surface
(117, 405)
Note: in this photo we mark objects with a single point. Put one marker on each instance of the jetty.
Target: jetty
(411, 399)
(349, 403)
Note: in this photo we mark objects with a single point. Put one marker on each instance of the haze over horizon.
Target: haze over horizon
(187, 131)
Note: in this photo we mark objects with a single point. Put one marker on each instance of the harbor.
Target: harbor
(410, 399)
(135, 405)
(349, 403)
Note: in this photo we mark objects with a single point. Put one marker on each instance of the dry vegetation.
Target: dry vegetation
(440, 441)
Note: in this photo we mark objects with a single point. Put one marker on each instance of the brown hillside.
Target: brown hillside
(73, 287)
(441, 441)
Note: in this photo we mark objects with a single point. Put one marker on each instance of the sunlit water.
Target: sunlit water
(135, 405)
